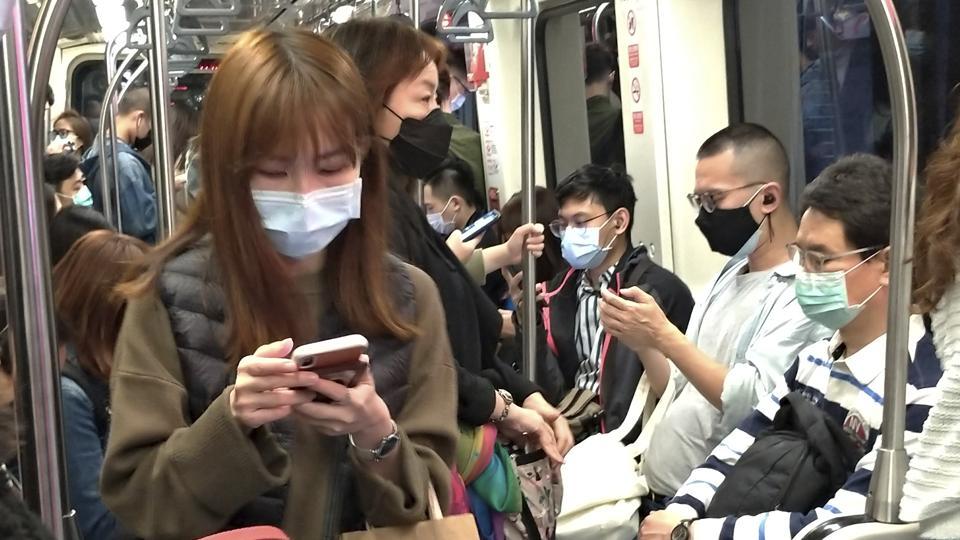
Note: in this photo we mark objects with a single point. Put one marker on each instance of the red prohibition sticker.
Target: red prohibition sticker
(638, 122)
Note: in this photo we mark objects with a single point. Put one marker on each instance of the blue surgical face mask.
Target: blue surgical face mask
(823, 297)
(457, 102)
(581, 248)
(83, 197)
(302, 225)
(438, 223)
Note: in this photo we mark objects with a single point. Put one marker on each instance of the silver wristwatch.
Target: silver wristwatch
(387, 445)
(507, 402)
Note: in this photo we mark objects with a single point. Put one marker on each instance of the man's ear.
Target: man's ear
(884, 258)
(622, 219)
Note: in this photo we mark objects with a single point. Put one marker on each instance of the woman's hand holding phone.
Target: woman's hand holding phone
(269, 386)
(356, 410)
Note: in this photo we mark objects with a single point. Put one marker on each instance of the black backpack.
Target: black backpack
(794, 466)
(97, 391)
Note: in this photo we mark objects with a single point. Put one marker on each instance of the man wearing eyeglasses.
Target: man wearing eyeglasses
(747, 330)
(582, 359)
(843, 254)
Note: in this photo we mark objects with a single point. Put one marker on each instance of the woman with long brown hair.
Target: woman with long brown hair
(932, 490)
(213, 427)
(89, 313)
(400, 69)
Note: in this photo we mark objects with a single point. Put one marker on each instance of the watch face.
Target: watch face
(680, 532)
(388, 445)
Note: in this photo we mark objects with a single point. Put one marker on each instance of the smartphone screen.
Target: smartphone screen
(481, 225)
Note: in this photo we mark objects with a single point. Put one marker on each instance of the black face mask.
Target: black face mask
(141, 143)
(421, 145)
(727, 230)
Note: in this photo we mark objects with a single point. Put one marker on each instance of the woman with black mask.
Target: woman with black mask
(400, 68)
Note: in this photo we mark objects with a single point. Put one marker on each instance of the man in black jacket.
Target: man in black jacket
(596, 216)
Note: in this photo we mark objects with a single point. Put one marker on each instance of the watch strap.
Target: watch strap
(386, 445)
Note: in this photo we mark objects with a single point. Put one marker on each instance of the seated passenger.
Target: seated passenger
(842, 247)
(596, 217)
(744, 334)
(931, 494)
(401, 88)
(213, 426)
(62, 172)
(551, 262)
(89, 312)
(138, 199)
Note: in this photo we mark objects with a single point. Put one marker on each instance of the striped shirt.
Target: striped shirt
(849, 389)
(589, 333)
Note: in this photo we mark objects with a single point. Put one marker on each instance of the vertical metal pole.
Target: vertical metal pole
(528, 183)
(886, 486)
(43, 46)
(108, 175)
(159, 103)
(28, 277)
(415, 12)
(112, 104)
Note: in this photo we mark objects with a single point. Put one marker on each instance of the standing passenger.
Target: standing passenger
(137, 211)
(213, 426)
(399, 65)
(743, 336)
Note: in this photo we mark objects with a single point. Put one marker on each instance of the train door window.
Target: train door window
(89, 85)
(579, 100)
(843, 103)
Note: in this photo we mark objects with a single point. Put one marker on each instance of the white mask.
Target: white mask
(301, 225)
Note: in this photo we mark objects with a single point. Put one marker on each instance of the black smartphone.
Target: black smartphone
(480, 226)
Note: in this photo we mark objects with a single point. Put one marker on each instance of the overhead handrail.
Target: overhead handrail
(108, 175)
(595, 26)
(886, 485)
(26, 256)
(459, 10)
(231, 9)
(159, 98)
(890, 469)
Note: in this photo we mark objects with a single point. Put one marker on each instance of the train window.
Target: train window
(89, 85)
(842, 104)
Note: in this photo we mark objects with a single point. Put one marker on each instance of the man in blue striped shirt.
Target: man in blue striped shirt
(842, 247)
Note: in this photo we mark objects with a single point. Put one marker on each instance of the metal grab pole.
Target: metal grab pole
(112, 104)
(159, 100)
(886, 485)
(415, 12)
(43, 46)
(528, 185)
(108, 175)
(28, 277)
